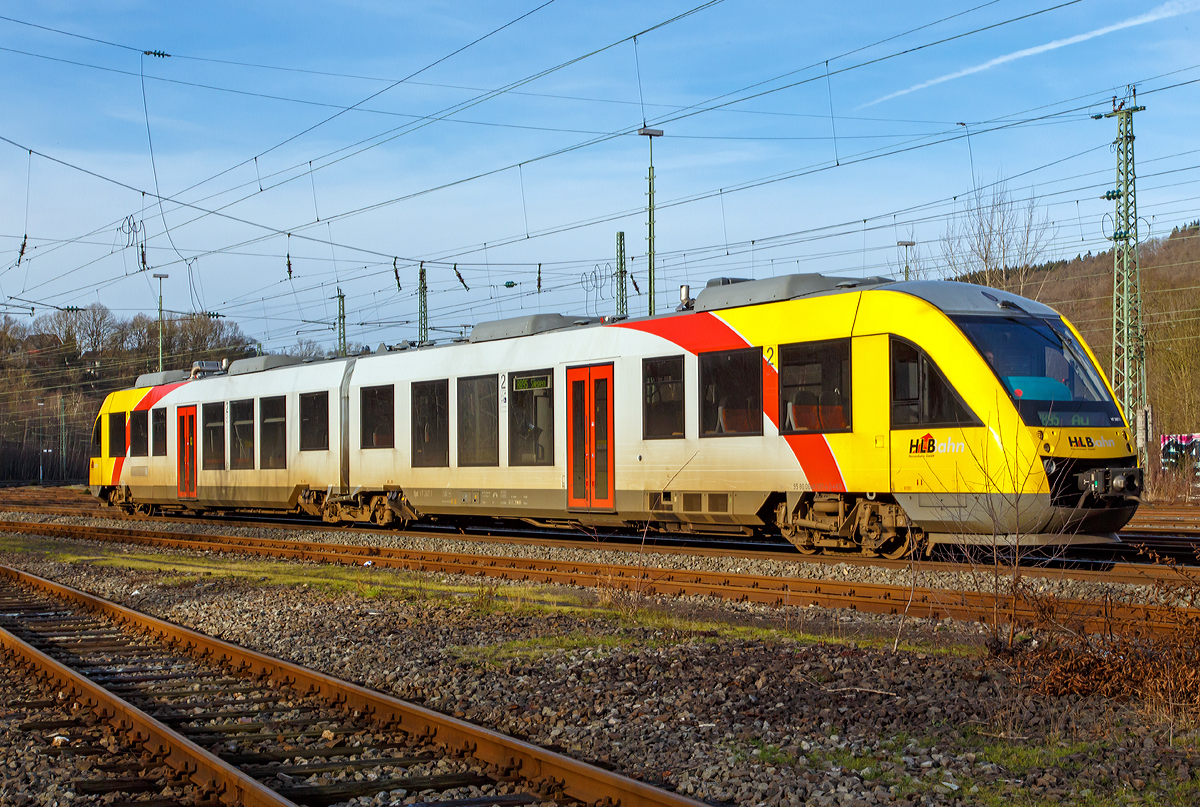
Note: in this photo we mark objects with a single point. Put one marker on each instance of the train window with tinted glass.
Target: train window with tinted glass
(431, 424)
(731, 393)
(662, 398)
(97, 444)
(314, 421)
(814, 387)
(158, 431)
(531, 418)
(377, 413)
(241, 443)
(139, 433)
(116, 434)
(921, 395)
(272, 432)
(213, 437)
(479, 421)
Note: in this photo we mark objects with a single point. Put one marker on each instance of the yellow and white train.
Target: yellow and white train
(852, 414)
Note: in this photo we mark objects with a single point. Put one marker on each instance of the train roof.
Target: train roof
(949, 296)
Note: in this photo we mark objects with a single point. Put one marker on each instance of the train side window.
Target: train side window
(213, 421)
(116, 434)
(479, 421)
(314, 421)
(731, 393)
(139, 433)
(921, 395)
(158, 431)
(431, 424)
(97, 443)
(662, 398)
(272, 432)
(241, 444)
(814, 387)
(531, 418)
(377, 412)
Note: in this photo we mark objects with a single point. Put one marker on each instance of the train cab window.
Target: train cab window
(97, 443)
(272, 432)
(314, 421)
(921, 395)
(213, 436)
(662, 398)
(116, 434)
(377, 413)
(479, 421)
(814, 387)
(731, 393)
(531, 418)
(431, 424)
(139, 433)
(158, 431)
(241, 443)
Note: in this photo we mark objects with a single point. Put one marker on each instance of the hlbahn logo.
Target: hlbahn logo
(924, 446)
(1090, 442)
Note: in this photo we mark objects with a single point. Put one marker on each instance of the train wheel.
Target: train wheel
(801, 540)
(901, 546)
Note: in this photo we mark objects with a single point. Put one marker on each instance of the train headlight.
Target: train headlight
(1049, 464)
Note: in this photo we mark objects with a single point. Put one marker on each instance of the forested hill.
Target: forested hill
(55, 371)
(1082, 290)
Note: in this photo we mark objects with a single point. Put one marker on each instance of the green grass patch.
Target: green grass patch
(368, 582)
(539, 647)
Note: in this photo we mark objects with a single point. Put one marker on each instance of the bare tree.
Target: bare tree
(997, 240)
(96, 328)
(63, 325)
(308, 349)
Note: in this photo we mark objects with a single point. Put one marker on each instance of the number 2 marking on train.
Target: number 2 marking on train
(769, 353)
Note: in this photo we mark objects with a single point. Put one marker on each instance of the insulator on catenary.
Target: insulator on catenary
(396, 269)
(460, 278)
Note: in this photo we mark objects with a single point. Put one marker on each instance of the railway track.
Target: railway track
(218, 724)
(1092, 617)
(1170, 531)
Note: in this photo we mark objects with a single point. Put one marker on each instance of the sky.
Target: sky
(217, 143)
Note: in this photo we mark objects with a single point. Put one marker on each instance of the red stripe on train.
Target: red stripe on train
(702, 332)
(148, 400)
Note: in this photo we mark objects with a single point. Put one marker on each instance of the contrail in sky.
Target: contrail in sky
(1165, 11)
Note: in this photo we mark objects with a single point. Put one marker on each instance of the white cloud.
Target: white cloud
(1165, 11)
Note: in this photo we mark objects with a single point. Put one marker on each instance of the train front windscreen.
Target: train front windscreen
(1045, 370)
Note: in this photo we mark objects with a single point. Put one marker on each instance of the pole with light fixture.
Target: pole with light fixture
(907, 245)
(160, 278)
(650, 134)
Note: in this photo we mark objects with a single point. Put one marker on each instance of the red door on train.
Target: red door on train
(590, 438)
(186, 454)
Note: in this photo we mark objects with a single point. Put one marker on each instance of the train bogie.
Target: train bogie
(846, 414)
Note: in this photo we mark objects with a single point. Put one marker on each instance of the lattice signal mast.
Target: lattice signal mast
(622, 292)
(1128, 336)
(422, 308)
(341, 322)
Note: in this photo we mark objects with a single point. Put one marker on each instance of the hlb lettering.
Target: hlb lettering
(924, 446)
(1090, 442)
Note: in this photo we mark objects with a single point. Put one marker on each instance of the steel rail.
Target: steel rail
(206, 771)
(920, 602)
(578, 780)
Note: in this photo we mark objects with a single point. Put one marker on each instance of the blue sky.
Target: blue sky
(418, 131)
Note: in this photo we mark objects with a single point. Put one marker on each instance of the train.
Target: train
(862, 415)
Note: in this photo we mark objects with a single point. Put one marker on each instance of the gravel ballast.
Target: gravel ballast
(725, 715)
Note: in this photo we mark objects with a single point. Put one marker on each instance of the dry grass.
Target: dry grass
(1161, 670)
